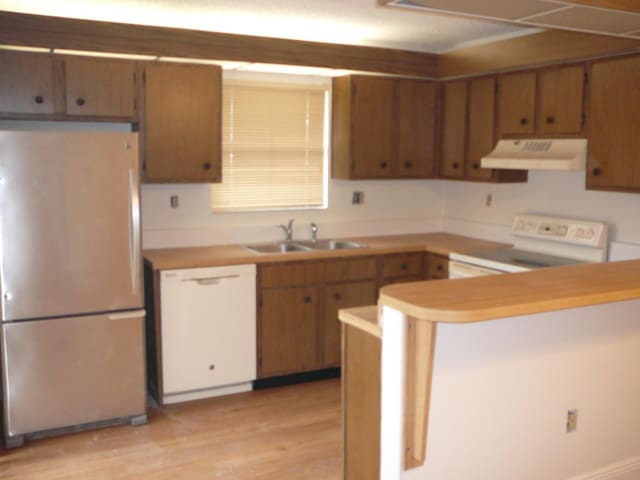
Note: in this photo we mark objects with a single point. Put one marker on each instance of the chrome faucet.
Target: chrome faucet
(314, 232)
(288, 230)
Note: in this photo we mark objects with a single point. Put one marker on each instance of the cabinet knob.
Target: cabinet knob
(455, 165)
(476, 166)
(212, 367)
(596, 172)
(383, 164)
(408, 164)
(337, 296)
(440, 267)
(80, 101)
(404, 267)
(550, 120)
(39, 99)
(307, 299)
(206, 166)
(524, 121)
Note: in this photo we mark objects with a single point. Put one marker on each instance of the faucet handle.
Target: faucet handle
(314, 231)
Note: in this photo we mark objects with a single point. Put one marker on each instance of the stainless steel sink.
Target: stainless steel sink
(327, 244)
(279, 247)
(303, 246)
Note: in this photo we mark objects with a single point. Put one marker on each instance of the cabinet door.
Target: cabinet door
(344, 295)
(26, 83)
(614, 141)
(182, 123)
(372, 122)
(416, 128)
(437, 266)
(288, 341)
(561, 96)
(97, 87)
(481, 126)
(517, 103)
(454, 126)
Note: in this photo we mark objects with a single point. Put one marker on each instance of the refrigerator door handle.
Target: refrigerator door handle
(126, 315)
(134, 235)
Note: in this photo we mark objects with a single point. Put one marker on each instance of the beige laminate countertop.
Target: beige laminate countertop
(195, 257)
(498, 296)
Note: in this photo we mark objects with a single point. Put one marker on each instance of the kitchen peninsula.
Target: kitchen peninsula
(531, 375)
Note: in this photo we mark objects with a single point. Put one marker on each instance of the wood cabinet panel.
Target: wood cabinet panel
(481, 135)
(437, 266)
(317, 272)
(401, 265)
(560, 100)
(517, 103)
(339, 296)
(182, 124)
(454, 126)
(97, 87)
(416, 104)
(614, 142)
(372, 124)
(26, 83)
(288, 339)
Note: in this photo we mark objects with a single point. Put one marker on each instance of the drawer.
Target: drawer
(402, 265)
(289, 274)
(437, 266)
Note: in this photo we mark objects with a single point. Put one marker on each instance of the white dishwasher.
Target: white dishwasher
(208, 331)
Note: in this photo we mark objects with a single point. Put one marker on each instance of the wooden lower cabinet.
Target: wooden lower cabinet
(287, 334)
(339, 296)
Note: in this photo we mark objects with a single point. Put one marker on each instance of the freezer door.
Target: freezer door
(70, 371)
(69, 220)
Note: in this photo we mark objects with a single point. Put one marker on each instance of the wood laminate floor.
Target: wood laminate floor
(286, 433)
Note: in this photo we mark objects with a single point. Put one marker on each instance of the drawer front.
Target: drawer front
(404, 265)
(289, 274)
(438, 266)
(350, 269)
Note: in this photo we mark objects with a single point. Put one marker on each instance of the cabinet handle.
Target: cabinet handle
(212, 367)
(524, 121)
(440, 267)
(383, 164)
(476, 166)
(596, 172)
(454, 165)
(206, 166)
(404, 267)
(550, 120)
(307, 299)
(337, 296)
(39, 99)
(408, 164)
(80, 101)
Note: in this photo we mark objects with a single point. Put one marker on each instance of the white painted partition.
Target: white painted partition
(501, 391)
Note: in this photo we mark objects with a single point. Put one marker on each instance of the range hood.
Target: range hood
(563, 154)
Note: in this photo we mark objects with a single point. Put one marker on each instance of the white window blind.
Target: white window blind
(273, 150)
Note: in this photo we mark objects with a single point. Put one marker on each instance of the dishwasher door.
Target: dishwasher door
(208, 328)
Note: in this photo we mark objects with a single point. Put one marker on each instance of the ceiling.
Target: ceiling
(351, 22)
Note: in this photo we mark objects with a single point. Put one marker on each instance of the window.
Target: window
(274, 146)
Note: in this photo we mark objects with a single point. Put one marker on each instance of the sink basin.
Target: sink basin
(281, 247)
(328, 244)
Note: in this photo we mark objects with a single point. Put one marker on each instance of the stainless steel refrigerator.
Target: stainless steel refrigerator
(72, 318)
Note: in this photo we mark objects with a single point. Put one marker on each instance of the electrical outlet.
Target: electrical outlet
(174, 201)
(489, 200)
(572, 420)
(357, 198)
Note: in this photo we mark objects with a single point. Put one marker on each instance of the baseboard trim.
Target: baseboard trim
(628, 469)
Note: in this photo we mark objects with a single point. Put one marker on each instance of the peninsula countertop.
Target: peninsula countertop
(499, 296)
(218, 255)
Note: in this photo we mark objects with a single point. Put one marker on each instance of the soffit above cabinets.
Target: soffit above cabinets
(607, 17)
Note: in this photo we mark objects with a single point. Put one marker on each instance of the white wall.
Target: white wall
(403, 206)
(550, 193)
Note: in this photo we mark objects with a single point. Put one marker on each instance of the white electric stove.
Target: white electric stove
(539, 241)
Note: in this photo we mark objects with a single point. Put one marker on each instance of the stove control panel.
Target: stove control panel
(577, 232)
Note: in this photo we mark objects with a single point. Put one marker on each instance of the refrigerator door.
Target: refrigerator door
(69, 221)
(69, 371)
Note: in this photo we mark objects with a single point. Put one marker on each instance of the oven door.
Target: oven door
(466, 270)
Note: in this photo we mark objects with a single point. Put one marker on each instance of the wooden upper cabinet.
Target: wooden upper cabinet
(97, 87)
(560, 100)
(481, 136)
(614, 139)
(182, 123)
(517, 103)
(454, 127)
(383, 128)
(416, 106)
(26, 84)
